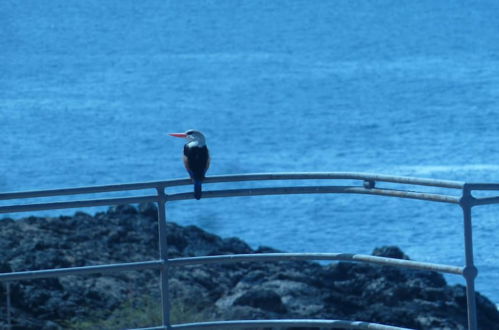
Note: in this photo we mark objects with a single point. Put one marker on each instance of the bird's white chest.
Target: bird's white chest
(195, 144)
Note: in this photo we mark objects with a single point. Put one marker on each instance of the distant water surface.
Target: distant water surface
(88, 91)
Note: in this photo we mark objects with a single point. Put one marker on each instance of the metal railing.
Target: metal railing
(367, 185)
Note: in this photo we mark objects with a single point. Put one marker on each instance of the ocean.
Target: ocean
(89, 91)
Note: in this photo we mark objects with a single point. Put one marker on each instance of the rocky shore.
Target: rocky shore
(350, 291)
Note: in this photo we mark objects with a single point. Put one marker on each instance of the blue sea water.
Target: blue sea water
(88, 91)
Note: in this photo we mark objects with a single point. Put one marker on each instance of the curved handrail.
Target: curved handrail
(235, 193)
(318, 190)
(160, 185)
(228, 258)
(176, 262)
(293, 323)
(236, 178)
(336, 176)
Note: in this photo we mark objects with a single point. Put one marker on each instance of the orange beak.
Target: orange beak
(179, 135)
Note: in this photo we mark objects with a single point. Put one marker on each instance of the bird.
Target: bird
(196, 157)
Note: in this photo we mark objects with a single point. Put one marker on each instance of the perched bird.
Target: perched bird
(196, 157)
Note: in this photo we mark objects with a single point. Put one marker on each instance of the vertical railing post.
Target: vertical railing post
(7, 293)
(163, 249)
(470, 271)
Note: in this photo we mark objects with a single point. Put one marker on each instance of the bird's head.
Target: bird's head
(192, 135)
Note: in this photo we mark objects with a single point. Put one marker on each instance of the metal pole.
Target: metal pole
(163, 248)
(7, 288)
(470, 271)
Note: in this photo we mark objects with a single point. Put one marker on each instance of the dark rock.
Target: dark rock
(291, 289)
(266, 300)
(123, 209)
(149, 210)
(234, 245)
(4, 266)
(6, 222)
(78, 215)
(390, 252)
(266, 249)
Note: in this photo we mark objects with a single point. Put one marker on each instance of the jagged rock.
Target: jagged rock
(149, 210)
(264, 299)
(122, 209)
(390, 252)
(291, 289)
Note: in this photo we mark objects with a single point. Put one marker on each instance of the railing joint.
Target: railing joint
(162, 196)
(470, 272)
(369, 184)
(467, 199)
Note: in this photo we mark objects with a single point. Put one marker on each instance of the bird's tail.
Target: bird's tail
(197, 189)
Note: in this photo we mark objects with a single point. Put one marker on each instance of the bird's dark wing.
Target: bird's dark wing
(196, 161)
